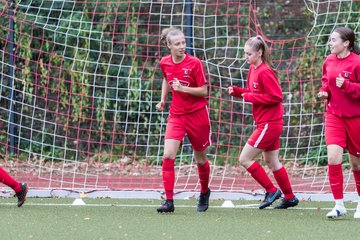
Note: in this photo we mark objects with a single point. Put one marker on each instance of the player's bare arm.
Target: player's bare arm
(164, 92)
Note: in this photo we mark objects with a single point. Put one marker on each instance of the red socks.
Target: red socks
(336, 180)
(356, 174)
(9, 181)
(282, 179)
(168, 175)
(259, 174)
(204, 175)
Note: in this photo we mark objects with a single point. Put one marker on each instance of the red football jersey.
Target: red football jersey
(264, 93)
(190, 73)
(344, 101)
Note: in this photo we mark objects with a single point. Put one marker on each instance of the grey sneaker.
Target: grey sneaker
(203, 203)
(166, 207)
(285, 203)
(21, 195)
(270, 197)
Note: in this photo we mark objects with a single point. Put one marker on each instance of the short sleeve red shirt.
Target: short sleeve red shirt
(190, 73)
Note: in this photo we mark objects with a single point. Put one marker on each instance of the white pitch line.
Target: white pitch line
(244, 206)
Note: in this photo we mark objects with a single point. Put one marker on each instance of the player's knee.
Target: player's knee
(169, 156)
(201, 161)
(273, 164)
(244, 161)
(200, 157)
(269, 163)
(355, 165)
(334, 159)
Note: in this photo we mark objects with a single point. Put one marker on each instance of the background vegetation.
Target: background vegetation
(87, 75)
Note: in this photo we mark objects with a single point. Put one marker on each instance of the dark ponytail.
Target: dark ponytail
(355, 49)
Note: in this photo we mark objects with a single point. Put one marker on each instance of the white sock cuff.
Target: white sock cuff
(339, 202)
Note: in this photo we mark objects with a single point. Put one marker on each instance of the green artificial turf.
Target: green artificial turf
(137, 219)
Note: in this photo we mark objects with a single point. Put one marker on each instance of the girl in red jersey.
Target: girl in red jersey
(341, 89)
(264, 92)
(184, 75)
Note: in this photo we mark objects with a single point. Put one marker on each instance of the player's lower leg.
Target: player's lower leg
(283, 181)
(168, 175)
(204, 175)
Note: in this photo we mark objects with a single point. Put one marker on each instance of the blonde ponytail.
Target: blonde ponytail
(258, 43)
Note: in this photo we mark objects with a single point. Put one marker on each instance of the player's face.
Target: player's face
(252, 56)
(337, 45)
(178, 46)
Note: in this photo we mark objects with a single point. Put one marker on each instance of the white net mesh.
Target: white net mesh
(85, 78)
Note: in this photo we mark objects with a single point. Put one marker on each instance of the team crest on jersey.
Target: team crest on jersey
(255, 85)
(186, 72)
(346, 74)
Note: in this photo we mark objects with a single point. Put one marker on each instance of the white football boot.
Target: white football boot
(338, 211)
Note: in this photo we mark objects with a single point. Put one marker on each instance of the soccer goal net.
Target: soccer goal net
(79, 82)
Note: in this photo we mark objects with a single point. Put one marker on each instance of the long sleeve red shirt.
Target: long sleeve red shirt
(264, 92)
(344, 101)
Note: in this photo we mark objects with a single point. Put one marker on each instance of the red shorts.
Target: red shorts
(344, 132)
(267, 136)
(196, 125)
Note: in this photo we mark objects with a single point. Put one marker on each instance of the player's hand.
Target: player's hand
(323, 95)
(230, 90)
(176, 85)
(160, 106)
(340, 81)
